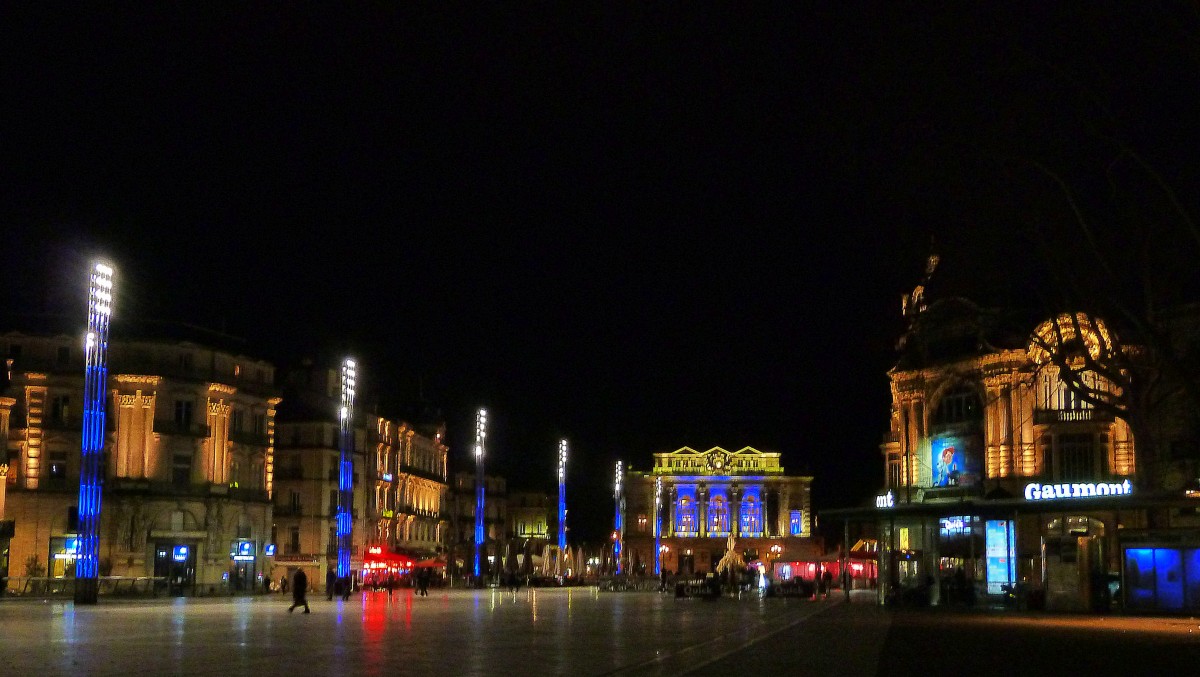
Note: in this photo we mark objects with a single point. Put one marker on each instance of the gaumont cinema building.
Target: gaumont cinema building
(998, 477)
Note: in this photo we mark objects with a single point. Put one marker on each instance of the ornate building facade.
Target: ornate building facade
(189, 455)
(400, 477)
(998, 476)
(706, 497)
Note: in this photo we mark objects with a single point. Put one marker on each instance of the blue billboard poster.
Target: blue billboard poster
(1000, 548)
(954, 460)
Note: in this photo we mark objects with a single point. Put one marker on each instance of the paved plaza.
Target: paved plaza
(577, 631)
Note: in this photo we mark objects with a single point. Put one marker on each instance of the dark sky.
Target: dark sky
(639, 227)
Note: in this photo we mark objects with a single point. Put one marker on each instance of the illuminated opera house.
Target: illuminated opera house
(698, 499)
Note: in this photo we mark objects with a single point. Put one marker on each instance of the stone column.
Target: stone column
(735, 510)
(3, 487)
(672, 498)
(702, 497)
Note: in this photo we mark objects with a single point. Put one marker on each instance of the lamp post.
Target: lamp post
(618, 519)
(345, 507)
(562, 496)
(776, 551)
(95, 379)
(480, 439)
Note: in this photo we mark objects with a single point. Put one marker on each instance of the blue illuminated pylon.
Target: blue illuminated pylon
(562, 496)
(95, 378)
(480, 439)
(345, 506)
(618, 520)
(657, 526)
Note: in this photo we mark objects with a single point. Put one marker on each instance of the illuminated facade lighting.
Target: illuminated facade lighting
(345, 507)
(480, 442)
(619, 518)
(87, 562)
(658, 551)
(562, 495)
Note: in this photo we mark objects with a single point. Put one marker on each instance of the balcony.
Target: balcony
(250, 438)
(73, 423)
(1053, 416)
(187, 428)
(891, 437)
(289, 473)
(287, 510)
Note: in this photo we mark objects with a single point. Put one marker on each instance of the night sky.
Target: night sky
(639, 227)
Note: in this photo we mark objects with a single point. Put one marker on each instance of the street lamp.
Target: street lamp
(776, 551)
(95, 379)
(345, 507)
(562, 495)
(480, 439)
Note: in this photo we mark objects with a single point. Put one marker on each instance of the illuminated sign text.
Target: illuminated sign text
(1047, 492)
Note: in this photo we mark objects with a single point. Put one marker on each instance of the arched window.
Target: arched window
(751, 518)
(718, 516)
(685, 515)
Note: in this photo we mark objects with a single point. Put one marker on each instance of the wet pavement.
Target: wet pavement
(577, 631)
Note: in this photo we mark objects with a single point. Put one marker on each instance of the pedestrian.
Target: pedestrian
(299, 591)
(283, 583)
(330, 584)
(389, 583)
(826, 582)
(423, 581)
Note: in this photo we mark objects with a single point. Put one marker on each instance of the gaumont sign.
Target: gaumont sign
(1049, 492)
(887, 500)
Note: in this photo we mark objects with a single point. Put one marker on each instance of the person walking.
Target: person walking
(299, 591)
(423, 581)
(330, 584)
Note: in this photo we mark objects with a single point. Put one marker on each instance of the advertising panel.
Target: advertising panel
(955, 460)
(1000, 548)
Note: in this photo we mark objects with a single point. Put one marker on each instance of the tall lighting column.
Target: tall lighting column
(95, 378)
(562, 496)
(345, 507)
(618, 519)
(657, 526)
(480, 439)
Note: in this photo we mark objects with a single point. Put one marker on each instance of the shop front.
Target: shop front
(243, 557)
(175, 567)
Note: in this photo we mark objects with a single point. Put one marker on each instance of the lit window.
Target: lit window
(796, 524)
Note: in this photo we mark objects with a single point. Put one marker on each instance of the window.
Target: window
(718, 516)
(293, 545)
(259, 423)
(64, 356)
(796, 523)
(185, 362)
(235, 474)
(295, 502)
(751, 517)
(960, 405)
(60, 408)
(181, 469)
(183, 413)
(1076, 456)
(237, 420)
(642, 522)
(685, 515)
(58, 465)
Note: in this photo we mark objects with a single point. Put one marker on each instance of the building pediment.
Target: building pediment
(717, 461)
